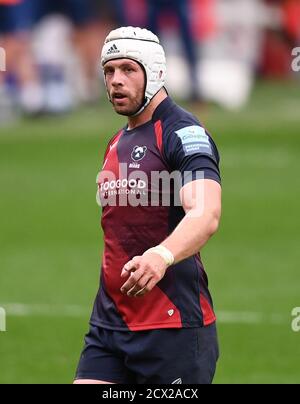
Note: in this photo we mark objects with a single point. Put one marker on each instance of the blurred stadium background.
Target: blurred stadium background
(230, 62)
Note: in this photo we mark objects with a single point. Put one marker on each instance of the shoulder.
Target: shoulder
(112, 141)
(181, 125)
(185, 144)
(176, 117)
(183, 131)
(115, 137)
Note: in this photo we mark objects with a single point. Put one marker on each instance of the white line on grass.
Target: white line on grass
(76, 311)
(47, 310)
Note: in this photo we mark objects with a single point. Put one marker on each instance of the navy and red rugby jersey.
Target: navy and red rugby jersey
(173, 140)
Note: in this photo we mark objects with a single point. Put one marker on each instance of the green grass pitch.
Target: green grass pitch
(51, 245)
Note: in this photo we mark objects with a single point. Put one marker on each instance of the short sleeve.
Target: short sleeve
(191, 151)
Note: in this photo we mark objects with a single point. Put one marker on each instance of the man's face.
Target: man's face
(125, 80)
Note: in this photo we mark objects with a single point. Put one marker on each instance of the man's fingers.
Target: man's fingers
(132, 281)
(139, 285)
(131, 265)
(142, 275)
(146, 289)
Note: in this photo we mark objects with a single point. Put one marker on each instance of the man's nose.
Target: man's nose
(117, 78)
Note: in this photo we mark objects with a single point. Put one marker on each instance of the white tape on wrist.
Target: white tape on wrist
(165, 254)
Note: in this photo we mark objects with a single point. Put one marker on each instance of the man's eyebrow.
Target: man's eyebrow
(131, 64)
(107, 67)
(124, 64)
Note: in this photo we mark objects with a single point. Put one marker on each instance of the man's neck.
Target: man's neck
(146, 115)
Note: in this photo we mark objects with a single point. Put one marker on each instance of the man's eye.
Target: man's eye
(109, 72)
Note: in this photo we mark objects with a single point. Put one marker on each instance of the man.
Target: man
(153, 320)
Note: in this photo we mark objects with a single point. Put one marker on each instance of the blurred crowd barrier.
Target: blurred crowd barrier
(50, 49)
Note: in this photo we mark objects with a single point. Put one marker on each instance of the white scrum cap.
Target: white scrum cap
(143, 47)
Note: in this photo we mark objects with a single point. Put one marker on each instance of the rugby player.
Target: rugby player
(153, 320)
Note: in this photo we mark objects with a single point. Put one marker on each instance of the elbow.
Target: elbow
(214, 223)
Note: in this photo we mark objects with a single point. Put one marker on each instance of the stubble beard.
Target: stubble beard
(134, 104)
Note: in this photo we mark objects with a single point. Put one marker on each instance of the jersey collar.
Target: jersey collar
(164, 108)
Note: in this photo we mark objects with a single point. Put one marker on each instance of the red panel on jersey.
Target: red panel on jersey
(208, 313)
(113, 143)
(159, 135)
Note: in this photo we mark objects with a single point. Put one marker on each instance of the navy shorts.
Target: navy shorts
(165, 356)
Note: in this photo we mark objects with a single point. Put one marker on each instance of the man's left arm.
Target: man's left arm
(201, 200)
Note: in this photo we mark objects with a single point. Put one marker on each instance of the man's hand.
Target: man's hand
(144, 273)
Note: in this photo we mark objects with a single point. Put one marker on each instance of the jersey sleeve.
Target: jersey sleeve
(189, 149)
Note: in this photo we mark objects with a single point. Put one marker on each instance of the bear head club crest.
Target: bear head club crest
(138, 153)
